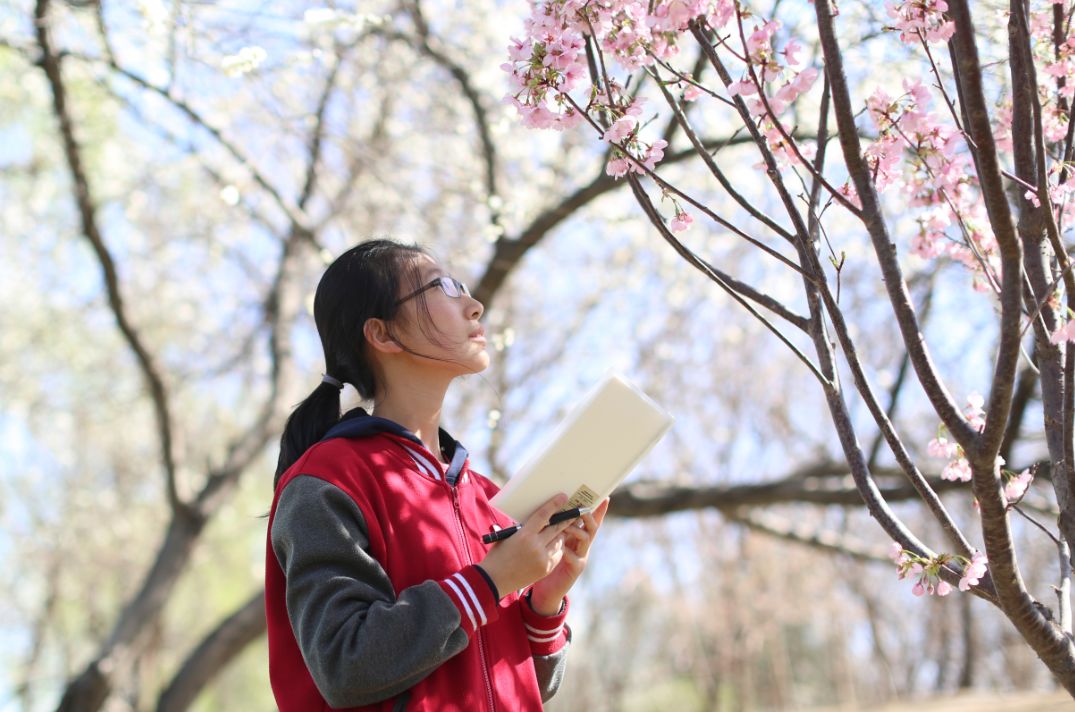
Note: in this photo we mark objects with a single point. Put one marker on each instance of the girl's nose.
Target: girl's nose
(476, 309)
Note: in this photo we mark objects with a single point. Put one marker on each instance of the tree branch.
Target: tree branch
(704, 267)
(87, 211)
(884, 247)
(293, 212)
(782, 528)
(714, 169)
(428, 45)
(980, 130)
(245, 625)
(508, 252)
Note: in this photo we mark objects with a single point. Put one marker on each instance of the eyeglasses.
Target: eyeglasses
(451, 287)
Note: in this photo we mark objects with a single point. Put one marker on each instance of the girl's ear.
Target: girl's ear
(379, 337)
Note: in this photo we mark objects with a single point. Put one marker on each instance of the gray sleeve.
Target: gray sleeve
(360, 643)
(550, 670)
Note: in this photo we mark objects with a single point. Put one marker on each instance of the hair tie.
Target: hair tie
(325, 378)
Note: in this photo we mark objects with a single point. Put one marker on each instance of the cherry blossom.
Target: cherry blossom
(618, 167)
(1065, 331)
(957, 470)
(680, 222)
(921, 20)
(925, 571)
(973, 571)
(620, 129)
(974, 413)
(942, 447)
(958, 467)
(1017, 485)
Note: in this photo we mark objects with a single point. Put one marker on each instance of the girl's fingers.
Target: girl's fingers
(582, 539)
(554, 531)
(539, 520)
(598, 514)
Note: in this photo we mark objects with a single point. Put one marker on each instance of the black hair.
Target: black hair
(362, 283)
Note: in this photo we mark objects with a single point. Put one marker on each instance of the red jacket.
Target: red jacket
(420, 528)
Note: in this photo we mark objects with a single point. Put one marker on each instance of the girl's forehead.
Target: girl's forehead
(428, 267)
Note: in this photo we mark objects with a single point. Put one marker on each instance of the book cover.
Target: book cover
(590, 453)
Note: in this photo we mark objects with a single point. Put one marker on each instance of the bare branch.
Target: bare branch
(293, 212)
(681, 118)
(87, 211)
(901, 375)
(978, 127)
(820, 484)
(509, 251)
(430, 46)
(884, 246)
(782, 528)
(1063, 591)
(706, 269)
(216, 651)
(317, 135)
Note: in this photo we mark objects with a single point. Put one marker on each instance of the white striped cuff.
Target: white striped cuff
(546, 634)
(472, 595)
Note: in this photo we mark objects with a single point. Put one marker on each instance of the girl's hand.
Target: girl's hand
(548, 592)
(530, 553)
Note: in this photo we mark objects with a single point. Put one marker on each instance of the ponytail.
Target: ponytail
(361, 284)
(307, 424)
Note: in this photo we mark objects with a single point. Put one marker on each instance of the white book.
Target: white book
(590, 453)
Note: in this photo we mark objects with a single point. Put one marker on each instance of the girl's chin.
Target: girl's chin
(481, 361)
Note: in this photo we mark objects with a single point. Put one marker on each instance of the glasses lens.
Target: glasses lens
(452, 287)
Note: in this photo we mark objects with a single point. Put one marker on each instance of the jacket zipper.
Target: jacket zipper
(480, 631)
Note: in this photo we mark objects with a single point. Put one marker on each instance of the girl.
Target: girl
(379, 592)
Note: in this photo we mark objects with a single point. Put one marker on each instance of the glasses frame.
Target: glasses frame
(447, 284)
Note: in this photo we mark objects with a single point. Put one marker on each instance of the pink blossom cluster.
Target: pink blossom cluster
(681, 221)
(921, 20)
(1061, 193)
(631, 154)
(769, 69)
(1058, 62)
(958, 467)
(550, 60)
(545, 66)
(636, 33)
(974, 412)
(1015, 486)
(1065, 331)
(973, 570)
(549, 63)
(928, 160)
(927, 571)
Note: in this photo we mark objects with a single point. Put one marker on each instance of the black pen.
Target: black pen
(501, 534)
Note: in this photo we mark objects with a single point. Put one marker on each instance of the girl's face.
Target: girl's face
(455, 339)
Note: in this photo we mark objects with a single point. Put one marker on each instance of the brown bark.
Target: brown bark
(245, 625)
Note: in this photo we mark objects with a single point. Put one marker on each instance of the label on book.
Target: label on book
(583, 497)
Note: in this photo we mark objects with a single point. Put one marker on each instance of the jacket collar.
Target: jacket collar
(357, 423)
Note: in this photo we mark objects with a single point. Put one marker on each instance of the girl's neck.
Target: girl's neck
(417, 407)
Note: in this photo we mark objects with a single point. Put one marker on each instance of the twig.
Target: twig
(884, 247)
(50, 65)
